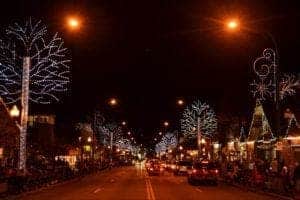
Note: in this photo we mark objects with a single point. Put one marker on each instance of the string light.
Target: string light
(207, 118)
(36, 73)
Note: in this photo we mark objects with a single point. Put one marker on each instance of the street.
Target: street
(134, 183)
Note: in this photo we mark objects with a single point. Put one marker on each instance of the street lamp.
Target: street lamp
(73, 23)
(14, 112)
(89, 139)
(180, 102)
(113, 102)
(166, 124)
(232, 24)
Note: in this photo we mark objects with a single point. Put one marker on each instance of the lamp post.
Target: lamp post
(267, 81)
(267, 73)
(199, 137)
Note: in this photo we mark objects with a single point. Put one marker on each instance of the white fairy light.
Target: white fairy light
(207, 120)
(169, 140)
(31, 69)
(264, 85)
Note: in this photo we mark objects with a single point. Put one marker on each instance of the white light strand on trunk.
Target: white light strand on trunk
(31, 69)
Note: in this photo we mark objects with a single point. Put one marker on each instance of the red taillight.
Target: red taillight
(194, 171)
(216, 171)
(151, 169)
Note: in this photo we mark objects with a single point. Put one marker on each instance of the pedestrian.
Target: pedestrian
(285, 179)
(274, 166)
(296, 179)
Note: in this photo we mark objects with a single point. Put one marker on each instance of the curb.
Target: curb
(22, 194)
(278, 196)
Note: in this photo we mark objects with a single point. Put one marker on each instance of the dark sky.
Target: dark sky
(147, 53)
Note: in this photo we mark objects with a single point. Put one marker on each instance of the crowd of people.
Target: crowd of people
(272, 176)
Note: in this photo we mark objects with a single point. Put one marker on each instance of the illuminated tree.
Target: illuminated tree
(124, 144)
(32, 68)
(169, 140)
(198, 115)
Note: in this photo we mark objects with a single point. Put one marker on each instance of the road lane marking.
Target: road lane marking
(148, 191)
(151, 190)
(98, 190)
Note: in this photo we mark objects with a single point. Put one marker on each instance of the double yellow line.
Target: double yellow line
(150, 193)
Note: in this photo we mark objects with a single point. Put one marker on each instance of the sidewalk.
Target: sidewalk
(6, 195)
(277, 196)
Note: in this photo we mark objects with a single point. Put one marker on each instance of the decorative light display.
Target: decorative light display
(124, 144)
(31, 69)
(169, 140)
(198, 116)
(160, 147)
(267, 78)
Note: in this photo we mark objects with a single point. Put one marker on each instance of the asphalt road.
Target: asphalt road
(134, 183)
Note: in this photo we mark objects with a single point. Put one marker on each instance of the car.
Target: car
(182, 167)
(154, 167)
(204, 172)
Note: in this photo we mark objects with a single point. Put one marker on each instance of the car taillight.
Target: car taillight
(216, 171)
(194, 171)
(151, 169)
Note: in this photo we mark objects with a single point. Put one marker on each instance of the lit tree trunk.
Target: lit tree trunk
(199, 137)
(24, 112)
(111, 147)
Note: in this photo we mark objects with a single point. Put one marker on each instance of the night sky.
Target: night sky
(148, 53)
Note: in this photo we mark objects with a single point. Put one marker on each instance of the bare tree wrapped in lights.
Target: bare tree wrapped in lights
(98, 125)
(160, 147)
(169, 140)
(198, 116)
(124, 144)
(31, 69)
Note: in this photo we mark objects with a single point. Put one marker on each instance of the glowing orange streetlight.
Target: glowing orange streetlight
(232, 24)
(113, 102)
(166, 123)
(14, 112)
(180, 102)
(73, 22)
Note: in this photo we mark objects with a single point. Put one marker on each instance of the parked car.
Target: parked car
(182, 167)
(204, 172)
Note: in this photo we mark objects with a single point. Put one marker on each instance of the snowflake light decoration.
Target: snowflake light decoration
(288, 85)
(267, 74)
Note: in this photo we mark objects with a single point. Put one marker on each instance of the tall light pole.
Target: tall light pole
(267, 81)
(266, 70)
(112, 102)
